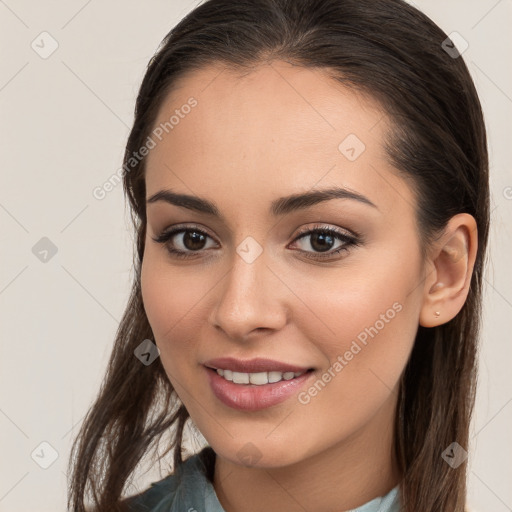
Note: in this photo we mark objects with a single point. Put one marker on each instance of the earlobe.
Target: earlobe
(449, 271)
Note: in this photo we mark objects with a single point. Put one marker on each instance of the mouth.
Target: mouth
(257, 371)
(257, 378)
(257, 390)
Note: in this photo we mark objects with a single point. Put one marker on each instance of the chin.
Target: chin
(259, 453)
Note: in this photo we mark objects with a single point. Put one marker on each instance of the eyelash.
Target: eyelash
(350, 241)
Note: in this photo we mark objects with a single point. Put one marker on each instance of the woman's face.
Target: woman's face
(254, 284)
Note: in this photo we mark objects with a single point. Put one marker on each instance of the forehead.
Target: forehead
(276, 127)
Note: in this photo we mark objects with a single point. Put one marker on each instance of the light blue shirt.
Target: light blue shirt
(189, 490)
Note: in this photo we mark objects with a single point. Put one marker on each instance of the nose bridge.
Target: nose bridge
(249, 297)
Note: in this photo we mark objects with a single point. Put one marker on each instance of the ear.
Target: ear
(448, 271)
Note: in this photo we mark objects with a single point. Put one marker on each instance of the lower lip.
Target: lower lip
(252, 397)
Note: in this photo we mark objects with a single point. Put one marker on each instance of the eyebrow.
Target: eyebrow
(280, 206)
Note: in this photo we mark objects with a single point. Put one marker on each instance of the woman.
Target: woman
(309, 186)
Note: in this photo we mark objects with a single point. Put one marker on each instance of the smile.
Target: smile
(259, 379)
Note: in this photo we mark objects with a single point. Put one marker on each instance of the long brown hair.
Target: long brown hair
(390, 50)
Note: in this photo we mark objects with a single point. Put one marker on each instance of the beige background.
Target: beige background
(64, 123)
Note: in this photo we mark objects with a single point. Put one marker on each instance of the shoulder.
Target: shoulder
(191, 476)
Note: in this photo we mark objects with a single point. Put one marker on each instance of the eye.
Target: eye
(188, 240)
(183, 242)
(323, 239)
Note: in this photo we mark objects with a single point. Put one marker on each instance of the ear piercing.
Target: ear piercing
(437, 313)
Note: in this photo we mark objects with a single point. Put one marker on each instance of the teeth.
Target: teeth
(240, 378)
(274, 376)
(259, 379)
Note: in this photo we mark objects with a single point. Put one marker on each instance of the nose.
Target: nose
(251, 299)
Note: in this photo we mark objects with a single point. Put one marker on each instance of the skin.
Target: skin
(251, 139)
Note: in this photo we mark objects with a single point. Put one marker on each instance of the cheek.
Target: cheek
(371, 333)
(172, 301)
(365, 315)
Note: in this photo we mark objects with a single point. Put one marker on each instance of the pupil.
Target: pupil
(192, 238)
(318, 242)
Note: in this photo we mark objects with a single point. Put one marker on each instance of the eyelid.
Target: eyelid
(180, 228)
(327, 227)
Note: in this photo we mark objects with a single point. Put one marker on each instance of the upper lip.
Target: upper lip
(255, 365)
